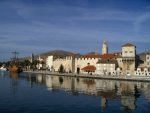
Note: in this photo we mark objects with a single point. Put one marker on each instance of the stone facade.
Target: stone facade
(84, 61)
(106, 67)
(128, 58)
(121, 63)
(67, 62)
(49, 63)
(147, 61)
(142, 71)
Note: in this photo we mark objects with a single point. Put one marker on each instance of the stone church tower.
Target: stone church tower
(128, 58)
(104, 48)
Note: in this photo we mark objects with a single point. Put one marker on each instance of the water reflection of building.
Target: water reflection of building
(146, 91)
(106, 89)
(126, 93)
(48, 82)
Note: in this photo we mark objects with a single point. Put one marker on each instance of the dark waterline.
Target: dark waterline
(36, 93)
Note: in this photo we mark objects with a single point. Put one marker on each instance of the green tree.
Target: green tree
(61, 69)
(43, 63)
(27, 64)
(34, 64)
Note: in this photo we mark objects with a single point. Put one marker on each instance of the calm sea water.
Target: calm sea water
(36, 93)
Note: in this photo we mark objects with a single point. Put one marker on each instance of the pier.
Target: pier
(109, 77)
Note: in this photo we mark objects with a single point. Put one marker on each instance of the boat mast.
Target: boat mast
(15, 56)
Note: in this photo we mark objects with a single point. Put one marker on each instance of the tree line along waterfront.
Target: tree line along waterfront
(27, 65)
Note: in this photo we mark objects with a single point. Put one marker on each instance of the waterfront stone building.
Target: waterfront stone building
(106, 65)
(68, 64)
(84, 61)
(147, 61)
(118, 63)
(49, 63)
(128, 58)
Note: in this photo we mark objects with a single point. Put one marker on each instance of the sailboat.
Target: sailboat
(14, 64)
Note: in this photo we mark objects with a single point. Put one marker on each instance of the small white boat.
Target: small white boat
(3, 68)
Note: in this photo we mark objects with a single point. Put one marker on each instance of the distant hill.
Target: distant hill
(55, 53)
(92, 53)
(59, 53)
(143, 55)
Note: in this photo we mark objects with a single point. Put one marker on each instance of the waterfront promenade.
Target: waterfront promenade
(110, 77)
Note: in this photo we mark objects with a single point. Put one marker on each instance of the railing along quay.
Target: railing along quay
(109, 77)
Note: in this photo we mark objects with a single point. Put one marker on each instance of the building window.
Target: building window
(131, 52)
(147, 57)
(125, 51)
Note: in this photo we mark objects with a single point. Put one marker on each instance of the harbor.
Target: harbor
(108, 77)
(38, 92)
(77, 56)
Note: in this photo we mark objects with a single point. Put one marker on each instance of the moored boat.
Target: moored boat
(14, 65)
(3, 68)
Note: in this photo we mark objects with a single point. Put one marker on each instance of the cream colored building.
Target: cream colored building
(128, 59)
(106, 67)
(67, 62)
(121, 63)
(147, 61)
(85, 61)
(142, 71)
(49, 62)
(39, 65)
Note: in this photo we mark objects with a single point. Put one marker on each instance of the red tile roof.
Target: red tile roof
(107, 56)
(107, 61)
(104, 56)
(91, 56)
(89, 68)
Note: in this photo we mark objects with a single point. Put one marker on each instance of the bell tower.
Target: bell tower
(128, 58)
(104, 48)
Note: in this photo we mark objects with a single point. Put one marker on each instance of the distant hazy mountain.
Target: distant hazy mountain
(91, 53)
(143, 55)
(55, 53)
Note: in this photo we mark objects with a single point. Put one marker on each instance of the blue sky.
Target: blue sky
(35, 26)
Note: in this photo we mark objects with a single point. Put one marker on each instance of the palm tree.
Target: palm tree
(27, 64)
(34, 64)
